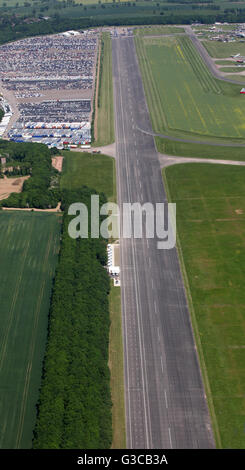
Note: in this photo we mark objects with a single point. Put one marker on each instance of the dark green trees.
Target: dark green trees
(74, 409)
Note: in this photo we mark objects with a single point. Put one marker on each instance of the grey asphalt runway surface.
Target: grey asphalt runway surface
(165, 401)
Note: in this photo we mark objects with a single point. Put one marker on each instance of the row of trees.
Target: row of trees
(13, 27)
(74, 409)
(34, 160)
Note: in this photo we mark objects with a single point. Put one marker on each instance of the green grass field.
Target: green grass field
(225, 62)
(95, 171)
(104, 106)
(155, 30)
(240, 78)
(196, 105)
(28, 252)
(184, 149)
(211, 227)
(224, 49)
(116, 368)
(232, 70)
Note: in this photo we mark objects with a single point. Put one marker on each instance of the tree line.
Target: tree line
(13, 28)
(74, 409)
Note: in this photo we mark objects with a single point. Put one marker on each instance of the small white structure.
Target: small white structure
(113, 262)
(114, 270)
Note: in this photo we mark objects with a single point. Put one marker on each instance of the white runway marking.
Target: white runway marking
(166, 400)
(170, 438)
(161, 364)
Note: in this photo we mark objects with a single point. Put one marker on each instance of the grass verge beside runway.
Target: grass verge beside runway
(29, 244)
(117, 370)
(184, 149)
(184, 98)
(96, 171)
(104, 106)
(211, 231)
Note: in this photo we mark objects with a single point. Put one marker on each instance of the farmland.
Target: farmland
(196, 104)
(211, 227)
(95, 171)
(28, 252)
(104, 116)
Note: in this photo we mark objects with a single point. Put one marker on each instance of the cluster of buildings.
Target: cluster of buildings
(50, 82)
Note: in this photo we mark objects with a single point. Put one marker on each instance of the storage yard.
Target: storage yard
(51, 80)
(54, 123)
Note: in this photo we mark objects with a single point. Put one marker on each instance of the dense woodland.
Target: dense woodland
(74, 410)
(41, 190)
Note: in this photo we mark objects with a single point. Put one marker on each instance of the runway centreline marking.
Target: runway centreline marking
(166, 399)
(170, 438)
(161, 364)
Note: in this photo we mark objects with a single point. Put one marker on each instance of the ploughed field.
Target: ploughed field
(29, 244)
(210, 203)
(184, 99)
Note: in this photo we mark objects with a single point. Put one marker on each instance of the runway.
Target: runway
(165, 401)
